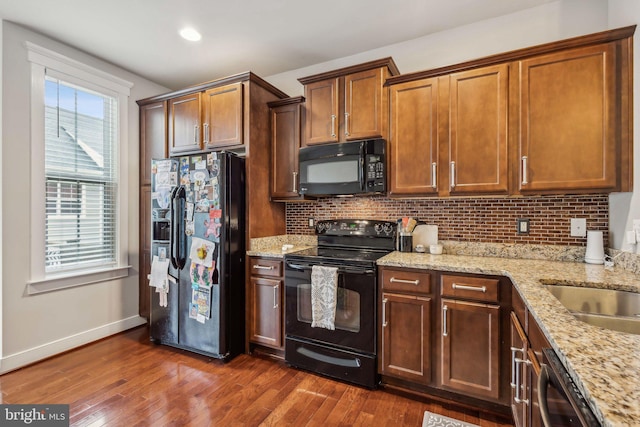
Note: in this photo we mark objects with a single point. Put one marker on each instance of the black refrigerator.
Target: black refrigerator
(198, 252)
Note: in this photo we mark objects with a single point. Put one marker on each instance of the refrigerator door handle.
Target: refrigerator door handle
(181, 238)
(172, 229)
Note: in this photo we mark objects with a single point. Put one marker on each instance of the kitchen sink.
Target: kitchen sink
(607, 308)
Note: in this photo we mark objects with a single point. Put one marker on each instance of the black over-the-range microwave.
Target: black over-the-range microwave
(352, 168)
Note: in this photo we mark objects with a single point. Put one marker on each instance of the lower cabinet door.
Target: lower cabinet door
(470, 356)
(266, 323)
(406, 337)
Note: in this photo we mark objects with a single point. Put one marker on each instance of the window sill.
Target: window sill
(71, 281)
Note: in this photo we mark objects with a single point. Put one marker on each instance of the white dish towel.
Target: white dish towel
(324, 295)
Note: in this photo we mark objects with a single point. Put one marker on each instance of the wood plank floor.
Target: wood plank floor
(125, 380)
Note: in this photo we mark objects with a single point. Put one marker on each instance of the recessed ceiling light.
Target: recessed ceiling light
(190, 34)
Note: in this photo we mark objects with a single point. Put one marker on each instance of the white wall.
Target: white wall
(549, 22)
(38, 326)
(546, 23)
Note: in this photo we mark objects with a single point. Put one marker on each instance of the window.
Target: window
(81, 181)
(79, 187)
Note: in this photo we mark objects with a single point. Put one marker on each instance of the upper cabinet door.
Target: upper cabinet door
(478, 113)
(222, 116)
(364, 111)
(153, 137)
(568, 115)
(184, 123)
(413, 146)
(322, 112)
(285, 145)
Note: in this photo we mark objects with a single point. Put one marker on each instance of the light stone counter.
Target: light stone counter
(272, 246)
(604, 364)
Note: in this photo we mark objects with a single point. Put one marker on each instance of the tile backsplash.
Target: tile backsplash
(488, 220)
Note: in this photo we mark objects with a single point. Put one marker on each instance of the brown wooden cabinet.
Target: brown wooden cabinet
(222, 116)
(527, 342)
(549, 119)
(153, 137)
(449, 134)
(348, 104)
(206, 120)
(267, 315)
(286, 116)
(184, 124)
(406, 319)
(568, 113)
(470, 347)
(478, 128)
(470, 336)
(413, 145)
(153, 143)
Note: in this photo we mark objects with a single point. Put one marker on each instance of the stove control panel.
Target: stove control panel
(356, 227)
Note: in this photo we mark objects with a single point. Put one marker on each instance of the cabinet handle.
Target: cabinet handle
(469, 288)
(408, 282)
(514, 350)
(524, 170)
(295, 182)
(263, 267)
(205, 133)
(452, 168)
(434, 175)
(275, 296)
(333, 125)
(444, 320)
(384, 313)
(517, 397)
(196, 133)
(346, 124)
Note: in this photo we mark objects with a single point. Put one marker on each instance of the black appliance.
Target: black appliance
(348, 168)
(560, 402)
(348, 352)
(197, 211)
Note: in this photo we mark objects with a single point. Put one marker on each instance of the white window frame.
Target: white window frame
(41, 60)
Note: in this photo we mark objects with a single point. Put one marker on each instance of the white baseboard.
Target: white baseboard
(23, 358)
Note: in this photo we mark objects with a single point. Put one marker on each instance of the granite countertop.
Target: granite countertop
(604, 364)
(273, 246)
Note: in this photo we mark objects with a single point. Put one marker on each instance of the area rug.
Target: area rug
(435, 420)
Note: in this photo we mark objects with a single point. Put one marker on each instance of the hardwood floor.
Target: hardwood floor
(125, 380)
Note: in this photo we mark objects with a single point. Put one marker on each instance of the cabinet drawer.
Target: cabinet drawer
(474, 288)
(265, 267)
(406, 280)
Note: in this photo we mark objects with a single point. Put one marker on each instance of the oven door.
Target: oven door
(355, 309)
(561, 403)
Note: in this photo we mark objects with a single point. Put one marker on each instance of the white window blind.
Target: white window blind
(81, 134)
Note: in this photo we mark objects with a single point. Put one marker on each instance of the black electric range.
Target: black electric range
(348, 351)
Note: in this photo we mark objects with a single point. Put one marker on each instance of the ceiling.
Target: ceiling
(264, 36)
